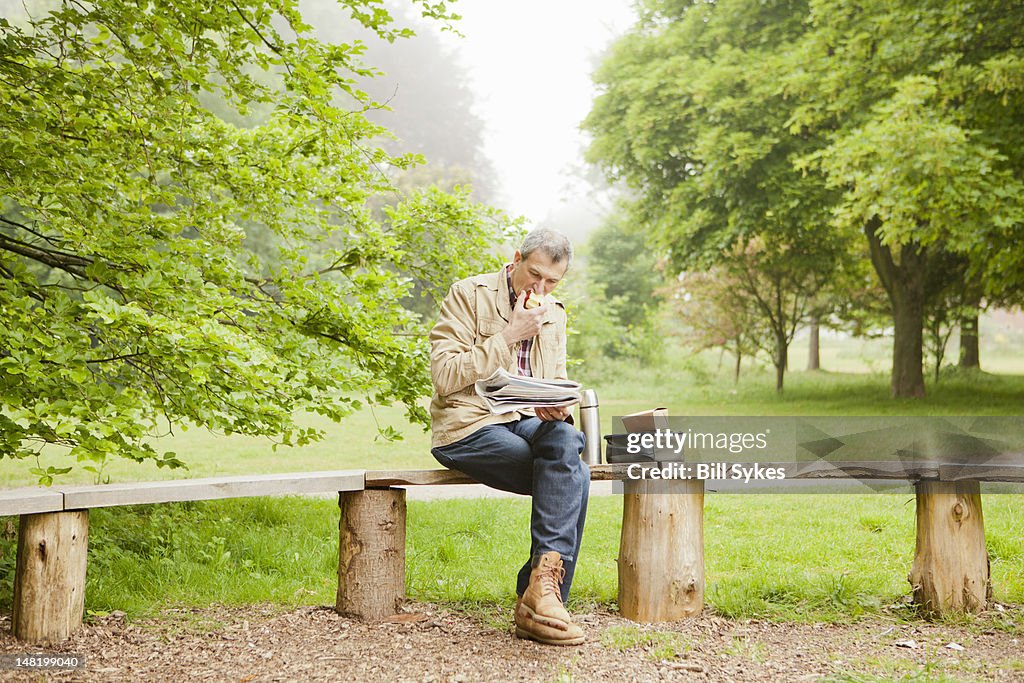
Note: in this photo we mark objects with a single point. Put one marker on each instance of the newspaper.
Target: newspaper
(505, 393)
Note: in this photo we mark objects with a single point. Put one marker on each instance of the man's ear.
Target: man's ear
(517, 259)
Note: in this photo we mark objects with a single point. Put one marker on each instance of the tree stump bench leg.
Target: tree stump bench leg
(951, 570)
(371, 553)
(49, 581)
(661, 553)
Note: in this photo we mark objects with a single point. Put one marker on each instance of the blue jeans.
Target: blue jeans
(533, 458)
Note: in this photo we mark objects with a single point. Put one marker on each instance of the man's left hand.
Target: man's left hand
(551, 414)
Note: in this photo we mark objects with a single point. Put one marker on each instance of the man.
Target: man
(484, 325)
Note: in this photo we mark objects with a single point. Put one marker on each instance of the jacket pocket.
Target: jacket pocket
(488, 327)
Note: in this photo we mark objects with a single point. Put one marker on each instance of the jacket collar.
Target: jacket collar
(504, 309)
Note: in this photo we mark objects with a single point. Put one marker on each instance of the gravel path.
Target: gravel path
(260, 643)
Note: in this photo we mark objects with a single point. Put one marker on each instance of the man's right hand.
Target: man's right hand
(524, 324)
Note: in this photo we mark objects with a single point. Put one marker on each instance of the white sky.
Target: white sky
(530, 62)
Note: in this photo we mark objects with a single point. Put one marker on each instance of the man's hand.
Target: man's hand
(552, 414)
(524, 324)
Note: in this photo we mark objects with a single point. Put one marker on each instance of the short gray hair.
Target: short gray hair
(551, 242)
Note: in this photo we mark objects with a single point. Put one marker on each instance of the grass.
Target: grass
(659, 645)
(898, 671)
(883, 667)
(689, 386)
(351, 444)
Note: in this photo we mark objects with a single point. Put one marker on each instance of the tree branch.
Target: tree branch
(21, 226)
(69, 263)
(881, 255)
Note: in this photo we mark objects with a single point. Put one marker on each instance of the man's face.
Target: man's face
(537, 272)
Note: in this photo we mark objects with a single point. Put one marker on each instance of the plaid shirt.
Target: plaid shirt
(523, 360)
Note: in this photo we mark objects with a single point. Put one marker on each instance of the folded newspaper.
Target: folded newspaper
(505, 393)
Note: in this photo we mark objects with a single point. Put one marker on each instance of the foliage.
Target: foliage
(426, 103)
(623, 268)
(919, 104)
(617, 303)
(814, 124)
(692, 118)
(430, 108)
(597, 334)
(129, 301)
(716, 313)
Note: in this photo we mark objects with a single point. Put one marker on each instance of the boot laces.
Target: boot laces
(550, 578)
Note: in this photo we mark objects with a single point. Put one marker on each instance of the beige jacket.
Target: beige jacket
(466, 345)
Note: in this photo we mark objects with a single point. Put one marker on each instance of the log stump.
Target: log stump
(371, 553)
(950, 573)
(661, 553)
(49, 583)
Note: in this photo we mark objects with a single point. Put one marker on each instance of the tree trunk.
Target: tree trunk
(661, 552)
(938, 343)
(49, 582)
(781, 356)
(736, 373)
(950, 573)
(908, 343)
(970, 353)
(813, 352)
(371, 553)
(904, 282)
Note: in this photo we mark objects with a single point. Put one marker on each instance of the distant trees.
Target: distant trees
(689, 118)
(129, 301)
(817, 127)
(427, 98)
(619, 298)
(718, 314)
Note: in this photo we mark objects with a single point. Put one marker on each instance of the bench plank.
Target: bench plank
(213, 488)
(912, 471)
(867, 469)
(384, 478)
(30, 500)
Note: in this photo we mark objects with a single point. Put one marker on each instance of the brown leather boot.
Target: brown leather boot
(539, 613)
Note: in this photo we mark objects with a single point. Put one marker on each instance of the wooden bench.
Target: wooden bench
(661, 558)
(661, 550)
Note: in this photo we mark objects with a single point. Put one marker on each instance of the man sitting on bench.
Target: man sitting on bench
(485, 323)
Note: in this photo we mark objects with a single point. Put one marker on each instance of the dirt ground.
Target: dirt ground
(429, 643)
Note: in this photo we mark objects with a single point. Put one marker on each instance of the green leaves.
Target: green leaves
(159, 265)
(804, 126)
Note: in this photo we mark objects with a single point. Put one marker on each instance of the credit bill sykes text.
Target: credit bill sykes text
(745, 472)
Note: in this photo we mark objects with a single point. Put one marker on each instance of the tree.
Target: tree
(129, 302)
(782, 288)
(623, 268)
(429, 103)
(894, 123)
(618, 300)
(426, 105)
(692, 119)
(716, 314)
(920, 104)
